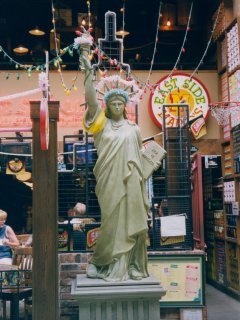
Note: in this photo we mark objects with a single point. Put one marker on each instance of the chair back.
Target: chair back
(22, 238)
(23, 259)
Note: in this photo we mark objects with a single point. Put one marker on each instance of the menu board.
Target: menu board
(181, 276)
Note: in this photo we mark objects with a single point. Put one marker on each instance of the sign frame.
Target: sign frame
(167, 92)
(163, 261)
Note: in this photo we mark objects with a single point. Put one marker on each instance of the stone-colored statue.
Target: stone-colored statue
(120, 251)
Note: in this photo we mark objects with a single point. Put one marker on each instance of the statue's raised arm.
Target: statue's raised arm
(90, 91)
(86, 67)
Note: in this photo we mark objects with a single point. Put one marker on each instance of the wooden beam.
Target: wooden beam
(45, 210)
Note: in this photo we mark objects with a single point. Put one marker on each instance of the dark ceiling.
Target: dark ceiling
(141, 16)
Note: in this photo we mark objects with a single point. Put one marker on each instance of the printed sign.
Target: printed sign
(180, 88)
(181, 277)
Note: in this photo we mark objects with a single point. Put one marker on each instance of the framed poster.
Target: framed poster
(182, 276)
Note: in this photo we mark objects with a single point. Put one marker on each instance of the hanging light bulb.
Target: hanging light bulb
(168, 23)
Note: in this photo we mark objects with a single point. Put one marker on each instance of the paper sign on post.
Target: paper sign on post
(172, 226)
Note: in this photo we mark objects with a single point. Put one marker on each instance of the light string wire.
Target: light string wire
(183, 44)
(147, 84)
(40, 67)
(89, 13)
(58, 60)
(123, 21)
(155, 46)
(208, 44)
(152, 87)
(17, 64)
(68, 49)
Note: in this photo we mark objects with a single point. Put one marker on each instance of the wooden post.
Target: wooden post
(45, 196)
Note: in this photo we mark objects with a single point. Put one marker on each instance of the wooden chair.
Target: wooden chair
(22, 238)
(23, 290)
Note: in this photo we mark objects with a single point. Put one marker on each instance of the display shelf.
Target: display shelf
(222, 55)
(221, 18)
(233, 52)
(214, 220)
(232, 257)
(227, 156)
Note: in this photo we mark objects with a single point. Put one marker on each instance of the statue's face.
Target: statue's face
(116, 107)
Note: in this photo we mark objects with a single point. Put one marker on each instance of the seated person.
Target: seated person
(8, 240)
(79, 235)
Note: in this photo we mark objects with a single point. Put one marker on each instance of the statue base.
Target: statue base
(101, 300)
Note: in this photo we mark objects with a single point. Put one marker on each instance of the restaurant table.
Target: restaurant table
(13, 293)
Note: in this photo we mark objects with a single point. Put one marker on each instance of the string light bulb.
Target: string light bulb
(168, 23)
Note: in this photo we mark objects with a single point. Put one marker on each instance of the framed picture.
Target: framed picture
(181, 276)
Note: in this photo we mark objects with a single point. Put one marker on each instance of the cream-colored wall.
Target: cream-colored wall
(148, 127)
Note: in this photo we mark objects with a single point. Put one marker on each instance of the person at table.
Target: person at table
(8, 240)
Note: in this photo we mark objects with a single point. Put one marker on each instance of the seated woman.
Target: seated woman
(8, 240)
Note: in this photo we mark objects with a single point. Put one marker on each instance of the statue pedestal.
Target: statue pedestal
(131, 300)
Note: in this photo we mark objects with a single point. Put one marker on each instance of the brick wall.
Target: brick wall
(70, 264)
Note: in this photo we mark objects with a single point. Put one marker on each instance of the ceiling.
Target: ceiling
(141, 17)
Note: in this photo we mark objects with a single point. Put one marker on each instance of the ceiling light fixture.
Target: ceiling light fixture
(36, 32)
(21, 49)
(122, 33)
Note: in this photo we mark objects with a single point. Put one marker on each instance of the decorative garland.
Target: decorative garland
(58, 60)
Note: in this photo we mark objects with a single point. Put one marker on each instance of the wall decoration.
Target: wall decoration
(180, 88)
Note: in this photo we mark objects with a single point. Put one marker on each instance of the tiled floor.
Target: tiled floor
(221, 306)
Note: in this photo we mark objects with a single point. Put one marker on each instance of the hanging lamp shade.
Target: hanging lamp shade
(122, 33)
(21, 49)
(36, 32)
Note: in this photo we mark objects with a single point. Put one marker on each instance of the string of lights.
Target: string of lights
(208, 44)
(26, 67)
(59, 53)
(182, 50)
(58, 59)
(153, 87)
(155, 46)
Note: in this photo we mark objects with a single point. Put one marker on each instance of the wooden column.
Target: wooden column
(45, 210)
